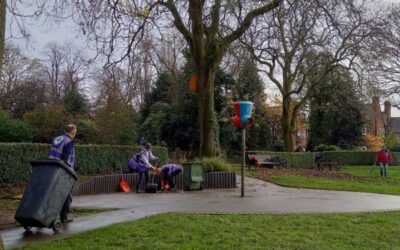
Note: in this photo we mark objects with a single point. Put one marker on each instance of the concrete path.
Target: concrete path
(261, 197)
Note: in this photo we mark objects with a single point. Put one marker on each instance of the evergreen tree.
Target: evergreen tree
(335, 117)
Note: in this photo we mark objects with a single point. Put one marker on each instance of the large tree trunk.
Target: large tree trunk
(288, 125)
(206, 113)
(3, 13)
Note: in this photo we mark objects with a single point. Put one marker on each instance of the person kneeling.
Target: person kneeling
(168, 171)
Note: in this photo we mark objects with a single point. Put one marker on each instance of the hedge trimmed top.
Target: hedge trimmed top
(349, 158)
(91, 159)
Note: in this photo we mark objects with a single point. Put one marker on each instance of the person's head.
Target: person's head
(384, 148)
(147, 146)
(71, 130)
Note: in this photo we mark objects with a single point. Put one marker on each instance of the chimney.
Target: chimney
(388, 107)
(376, 109)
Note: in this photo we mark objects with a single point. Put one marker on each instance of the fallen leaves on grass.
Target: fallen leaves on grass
(267, 174)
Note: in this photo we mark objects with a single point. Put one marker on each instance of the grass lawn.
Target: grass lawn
(352, 178)
(192, 231)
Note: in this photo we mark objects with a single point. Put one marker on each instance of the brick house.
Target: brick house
(274, 116)
(378, 122)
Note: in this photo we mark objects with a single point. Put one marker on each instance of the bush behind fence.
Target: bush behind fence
(348, 158)
(91, 159)
(352, 158)
(293, 160)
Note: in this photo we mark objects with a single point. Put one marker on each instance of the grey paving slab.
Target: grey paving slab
(261, 197)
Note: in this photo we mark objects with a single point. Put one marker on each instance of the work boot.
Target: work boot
(66, 219)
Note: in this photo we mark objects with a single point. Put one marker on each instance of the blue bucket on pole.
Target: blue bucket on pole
(245, 108)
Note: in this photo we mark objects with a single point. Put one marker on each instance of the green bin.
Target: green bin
(193, 176)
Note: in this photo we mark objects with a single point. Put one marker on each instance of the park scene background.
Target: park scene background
(323, 77)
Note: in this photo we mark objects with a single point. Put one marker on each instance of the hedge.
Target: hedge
(355, 157)
(91, 159)
(350, 158)
(294, 160)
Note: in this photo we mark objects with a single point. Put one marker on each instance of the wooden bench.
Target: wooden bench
(264, 161)
(321, 166)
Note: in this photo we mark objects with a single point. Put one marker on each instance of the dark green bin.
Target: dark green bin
(193, 176)
(44, 197)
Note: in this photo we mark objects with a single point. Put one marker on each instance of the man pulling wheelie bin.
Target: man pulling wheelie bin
(47, 196)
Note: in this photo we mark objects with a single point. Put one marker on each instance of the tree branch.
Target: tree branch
(249, 19)
(178, 22)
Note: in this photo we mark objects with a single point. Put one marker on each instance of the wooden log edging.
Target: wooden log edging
(110, 183)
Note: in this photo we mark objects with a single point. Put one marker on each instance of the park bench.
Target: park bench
(333, 165)
(264, 161)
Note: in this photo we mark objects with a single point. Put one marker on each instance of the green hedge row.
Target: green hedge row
(294, 160)
(350, 158)
(356, 157)
(90, 159)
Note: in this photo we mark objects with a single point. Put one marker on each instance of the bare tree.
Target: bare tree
(298, 34)
(53, 63)
(65, 69)
(75, 70)
(115, 85)
(3, 14)
(208, 27)
(382, 60)
(20, 73)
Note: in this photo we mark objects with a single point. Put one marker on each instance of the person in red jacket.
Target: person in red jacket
(384, 158)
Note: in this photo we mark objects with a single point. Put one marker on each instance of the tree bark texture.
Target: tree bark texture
(3, 13)
(288, 124)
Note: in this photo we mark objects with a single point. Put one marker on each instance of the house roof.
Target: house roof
(394, 124)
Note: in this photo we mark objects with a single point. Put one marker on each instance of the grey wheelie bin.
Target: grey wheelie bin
(193, 176)
(44, 197)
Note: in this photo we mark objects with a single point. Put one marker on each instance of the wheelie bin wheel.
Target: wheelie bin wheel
(56, 226)
(28, 229)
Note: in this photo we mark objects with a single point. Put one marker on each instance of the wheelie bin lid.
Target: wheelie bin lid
(59, 163)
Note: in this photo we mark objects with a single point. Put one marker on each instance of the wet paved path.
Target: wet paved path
(261, 197)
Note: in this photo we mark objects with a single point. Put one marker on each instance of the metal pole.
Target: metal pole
(243, 159)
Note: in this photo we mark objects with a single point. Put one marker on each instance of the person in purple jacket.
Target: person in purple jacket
(62, 148)
(168, 171)
(140, 163)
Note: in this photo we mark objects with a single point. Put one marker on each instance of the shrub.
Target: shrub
(91, 159)
(323, 147)
(278, 146)
(356, 157)
(214, 164)
(14, 130)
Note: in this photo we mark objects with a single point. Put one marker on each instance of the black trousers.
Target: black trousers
(146, 179)
(170, 177)
(66, 207)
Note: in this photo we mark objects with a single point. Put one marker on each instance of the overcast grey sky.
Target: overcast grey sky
(44, 33)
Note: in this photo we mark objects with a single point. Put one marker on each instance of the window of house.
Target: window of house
(381, 132)
(364, 130)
